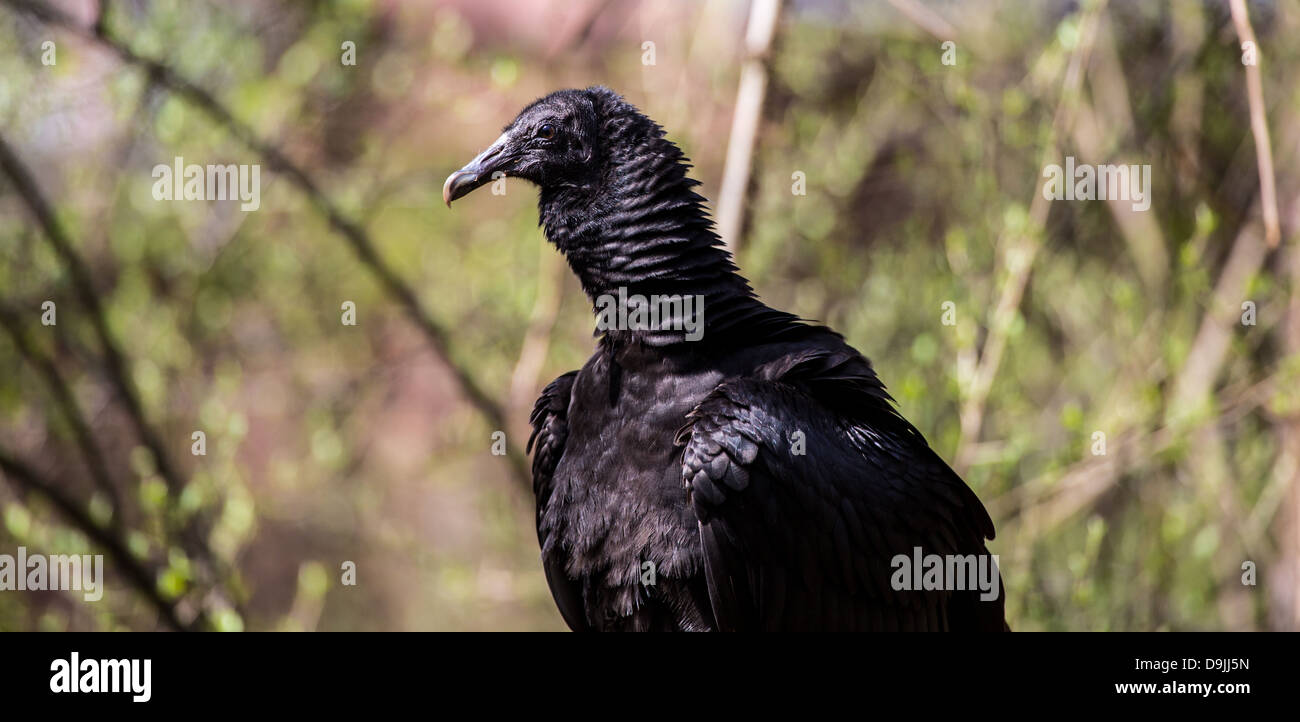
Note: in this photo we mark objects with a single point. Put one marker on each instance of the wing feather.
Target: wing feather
(804, 540)
(550, 422)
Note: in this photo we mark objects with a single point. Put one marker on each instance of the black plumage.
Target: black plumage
(685, 453)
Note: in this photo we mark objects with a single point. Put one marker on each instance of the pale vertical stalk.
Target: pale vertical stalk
(1020, 248)
(1259, 126)
(763, 15)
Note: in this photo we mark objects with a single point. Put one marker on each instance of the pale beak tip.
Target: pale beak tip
(446, 189)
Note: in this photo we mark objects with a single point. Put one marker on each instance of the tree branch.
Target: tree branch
(27, 479)
(357, 238)
(1259, 127)
(118, 373)
(763, 16)
(925, 18)
(59, 388)
(1023, 248)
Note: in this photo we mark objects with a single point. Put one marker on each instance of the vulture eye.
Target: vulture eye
(546, 131)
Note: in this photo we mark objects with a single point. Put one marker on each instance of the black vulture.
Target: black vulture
(727, 466)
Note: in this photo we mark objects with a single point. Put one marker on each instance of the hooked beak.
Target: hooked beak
(477, 172)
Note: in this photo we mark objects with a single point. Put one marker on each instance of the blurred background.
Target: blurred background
(1119, 387)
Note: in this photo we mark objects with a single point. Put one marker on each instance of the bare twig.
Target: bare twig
(1098, 128)
(925, 18)
(1286, 478)
(763, 15)
(118, 373)
(27, 479)
(1048, 500)
(581, 31)
(1279, 505)
(1258, 126)
(59, 388)
(357, 238)
(1209, 349)
(1022, 249)
(546, 309)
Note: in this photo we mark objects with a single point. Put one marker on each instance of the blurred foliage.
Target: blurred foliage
(329, 443)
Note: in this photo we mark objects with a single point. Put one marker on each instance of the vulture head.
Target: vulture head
(614, 196)
(554, 143)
